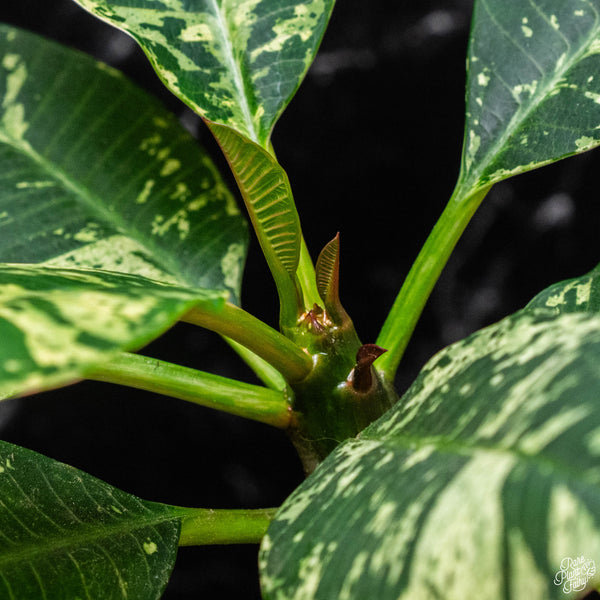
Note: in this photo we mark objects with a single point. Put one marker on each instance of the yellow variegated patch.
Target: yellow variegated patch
(57, 323)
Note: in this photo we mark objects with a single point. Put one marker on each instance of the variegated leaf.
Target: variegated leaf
(235, 62)
(482, 482)
(532, 93)
(96, 174)
(580, 294)
(65, 534)
(57, 323)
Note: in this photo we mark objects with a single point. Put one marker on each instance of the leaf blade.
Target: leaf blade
(65, 533)
(530, 72)
(580, 294)
(267, 194)
(57, 323)
(479, 481)
(234, 63)
(97, 174)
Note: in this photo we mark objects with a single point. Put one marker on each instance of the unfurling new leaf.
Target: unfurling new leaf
(328, 280)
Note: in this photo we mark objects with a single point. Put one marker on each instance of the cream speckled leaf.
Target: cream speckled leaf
(96, 174)
(533, 93)
(65, 534)
(477, 484)
(235, 62)
(580, 294)
(57, 323)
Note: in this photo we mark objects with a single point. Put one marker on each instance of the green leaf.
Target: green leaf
(235, 62)
(96, 174)
(533, 95)
(65, 534)
(266, 190)
(580, 294)
(477, 484)
(57, 323)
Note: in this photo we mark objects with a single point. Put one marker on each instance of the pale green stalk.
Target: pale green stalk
(402, 319)
(203, 527)
(273, 347)
(234, 397)
(270, 376)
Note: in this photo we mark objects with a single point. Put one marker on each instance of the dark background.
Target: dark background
(372, 145)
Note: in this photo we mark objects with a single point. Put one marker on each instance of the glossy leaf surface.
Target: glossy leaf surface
(65, 534)
(96, 174)
(234, 62)
(533, 93)
(533, 97)
(56, 323)
(477, 484)
(580, 294)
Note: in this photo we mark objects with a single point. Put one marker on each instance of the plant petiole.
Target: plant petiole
(418, 285)
(203, 527)
(243, 399)
(273, 347)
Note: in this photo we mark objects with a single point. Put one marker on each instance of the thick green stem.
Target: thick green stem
(203, 527)
(233, 322)
(419, 283)
(242, 399)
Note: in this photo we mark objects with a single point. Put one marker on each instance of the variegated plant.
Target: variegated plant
(482, 481)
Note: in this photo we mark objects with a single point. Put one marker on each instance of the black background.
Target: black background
(372, 145)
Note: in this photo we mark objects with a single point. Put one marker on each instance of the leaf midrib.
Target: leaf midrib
(88, 533)
(522, 113)
(235, 69)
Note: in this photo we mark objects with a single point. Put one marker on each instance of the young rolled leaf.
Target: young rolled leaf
(65, 534)
(532, 96)
(479, 483)
(57, 323)
(328, 280)
(96, 174)
(266, 190)
(237, 63)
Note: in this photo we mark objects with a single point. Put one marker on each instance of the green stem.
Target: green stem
(233, 322)
(202, 527)
(419, 283)
(242, 399)
(270, 376)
